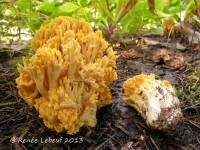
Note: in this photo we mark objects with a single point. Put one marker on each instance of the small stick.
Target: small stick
(9, 103)
(99, 147)
(154, 143)
(194, 124)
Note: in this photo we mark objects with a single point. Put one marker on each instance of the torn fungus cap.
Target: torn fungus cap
(154, 99)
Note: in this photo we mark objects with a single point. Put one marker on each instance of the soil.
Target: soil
(119, 126)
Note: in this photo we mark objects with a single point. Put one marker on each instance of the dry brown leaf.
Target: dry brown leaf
(129, 53)
(195, 78)
(177, 60)
(172, 59)
(169, 25)
(161, 54)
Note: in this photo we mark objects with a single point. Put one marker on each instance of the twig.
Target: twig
(198, 140)
(112, 137)
(24, 132)
(193, 106)
(9, 103)
(17, 146)
(99, 147)
(122, 129)
(154, 143)
(194, 124)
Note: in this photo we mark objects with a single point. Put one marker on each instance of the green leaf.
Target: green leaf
(34, 21)
(175, 7)
(68, 7)
(104, 12)
(17, 60)
(47, 6)
(191, 7)
(23, 5)
(84, 12)
(138, 17)
(83, 3)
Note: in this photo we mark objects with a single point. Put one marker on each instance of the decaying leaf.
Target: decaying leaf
(161, 54)
(176, 60)
(129, 53)
(169, 26)
(193, 36)
(184, 27)
(167, 57)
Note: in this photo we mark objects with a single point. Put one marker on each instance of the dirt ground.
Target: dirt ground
(119, 126)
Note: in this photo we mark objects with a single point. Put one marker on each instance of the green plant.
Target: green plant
(21, 17)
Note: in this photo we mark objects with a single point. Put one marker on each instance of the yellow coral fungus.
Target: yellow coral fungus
(67, 78)
(59, 31)
(154, 99)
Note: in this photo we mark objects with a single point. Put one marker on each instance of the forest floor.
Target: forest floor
(119, 126)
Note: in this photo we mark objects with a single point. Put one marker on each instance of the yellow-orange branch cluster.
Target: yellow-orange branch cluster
(67, 78)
